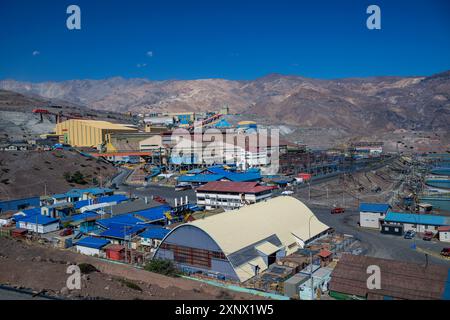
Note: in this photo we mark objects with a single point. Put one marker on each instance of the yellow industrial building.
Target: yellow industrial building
(89, 133)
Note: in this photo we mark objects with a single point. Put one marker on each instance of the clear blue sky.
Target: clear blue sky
(234, 39)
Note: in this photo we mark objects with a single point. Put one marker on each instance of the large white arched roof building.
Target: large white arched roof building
(239, 243)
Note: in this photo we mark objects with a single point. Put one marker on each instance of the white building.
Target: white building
(371, 215)
(231, 195)
(40, 224)
(444, 233)
(91, 246)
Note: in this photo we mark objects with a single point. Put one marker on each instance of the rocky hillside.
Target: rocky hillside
(354, 105)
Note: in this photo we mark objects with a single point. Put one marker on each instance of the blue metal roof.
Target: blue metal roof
(105, 199)
(417, 219)
(91, 242)
(82, 216)
(32, 212)
(154, 233)
(123, 219)
(43, 220)
(120, 231)
(153, 214)
(244, 176)
(201, 178)
(28, 213)
(374, 207)
(218, 173)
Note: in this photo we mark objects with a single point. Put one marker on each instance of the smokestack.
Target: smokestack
(176, 202)
(187, 200)
(146, 200)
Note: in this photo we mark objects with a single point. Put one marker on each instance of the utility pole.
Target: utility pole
(309, 191)
(311, 259)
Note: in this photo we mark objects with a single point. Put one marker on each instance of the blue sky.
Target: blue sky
(233, 39)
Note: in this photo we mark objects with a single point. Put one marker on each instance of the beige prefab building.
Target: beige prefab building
(239, 244)
(89, 133)
(151, 143)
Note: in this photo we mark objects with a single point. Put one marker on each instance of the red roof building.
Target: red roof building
(231, 195)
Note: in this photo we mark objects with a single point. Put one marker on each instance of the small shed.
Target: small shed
(115, 252)
(444, 233)
(91, 246)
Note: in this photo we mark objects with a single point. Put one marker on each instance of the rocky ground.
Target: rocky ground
(350, 190)
(31, 173)
(42, 269)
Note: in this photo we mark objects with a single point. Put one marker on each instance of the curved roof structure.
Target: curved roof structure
(286, 217)
(247, 236)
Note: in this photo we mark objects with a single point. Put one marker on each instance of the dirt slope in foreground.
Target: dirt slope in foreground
(40, 268)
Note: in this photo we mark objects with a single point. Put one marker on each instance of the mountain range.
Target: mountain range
(353, 104)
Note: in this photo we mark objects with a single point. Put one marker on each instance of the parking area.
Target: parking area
(382, 245)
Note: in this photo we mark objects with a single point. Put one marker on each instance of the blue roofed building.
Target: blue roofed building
(19, 204)
(92, 246)
(38, 223)
(153, 236)
(76, 194)
(153, 215)
(218, 173)
(118, 233)
(371, 215)
(416, 222)
(100, 202)
(26, 213)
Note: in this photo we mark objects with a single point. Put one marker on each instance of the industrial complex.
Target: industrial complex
(232, 205)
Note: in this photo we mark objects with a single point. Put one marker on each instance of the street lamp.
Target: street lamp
(311, 258)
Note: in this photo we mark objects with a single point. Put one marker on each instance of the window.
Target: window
(193, 256)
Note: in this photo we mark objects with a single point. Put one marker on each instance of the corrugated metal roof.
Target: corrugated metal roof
(125, 220)
(267, 248)
(374, 207)
(132, 206)
(285, 218)
(43, 220)
(120, 231)
(399, 280)
(417, 219)
(153, 214)
(235, 187)
(91, 242)
(118, 198)
(155, 233)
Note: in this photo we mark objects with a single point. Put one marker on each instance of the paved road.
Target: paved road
(377, 244)
(8, 294)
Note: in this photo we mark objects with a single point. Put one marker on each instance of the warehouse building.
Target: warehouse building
(231, 195)
(399, 280)
(398, 223)
(371, 215)
(89, 133)
(238, 245)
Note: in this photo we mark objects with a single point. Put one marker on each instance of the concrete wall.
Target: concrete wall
(89, 251)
